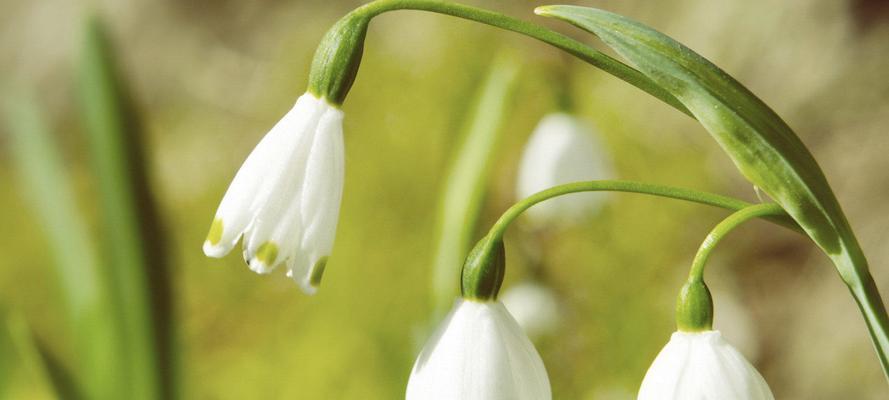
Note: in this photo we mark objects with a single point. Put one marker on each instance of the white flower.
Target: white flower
(702, 366)
(561, 150)
(479, 353)
(534, 307)
(285, 199)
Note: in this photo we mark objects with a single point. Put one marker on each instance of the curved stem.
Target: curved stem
(723, 228)
(630, 187)
(573, 47)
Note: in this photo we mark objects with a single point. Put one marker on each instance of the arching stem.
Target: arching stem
(571, 46)
(694, 307)
(723, 228)
(483, 269)
(695, 196)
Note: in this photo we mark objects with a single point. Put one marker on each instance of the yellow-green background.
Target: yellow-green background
(212, 76)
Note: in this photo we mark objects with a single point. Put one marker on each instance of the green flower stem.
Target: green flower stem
(573, 47)
(694, 307)
(483, 270)
(723, 228)
(695, 196)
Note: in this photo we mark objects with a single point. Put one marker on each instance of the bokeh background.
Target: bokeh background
(210, 78)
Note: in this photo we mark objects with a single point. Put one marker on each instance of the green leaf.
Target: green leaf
(19, 343)
(136, 260)
(761, 144)
(464, 190)
(45, 188)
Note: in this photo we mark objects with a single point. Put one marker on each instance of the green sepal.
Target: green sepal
(483, 270)
(337, 59)
(694, 307)
(759, 142)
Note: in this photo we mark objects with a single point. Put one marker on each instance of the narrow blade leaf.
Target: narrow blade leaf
(136, 257)
(464, 188)
(45, 187)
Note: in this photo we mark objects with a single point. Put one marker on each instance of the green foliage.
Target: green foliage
(135, 258)
(761, 144)
(83, 291)
(467, 179)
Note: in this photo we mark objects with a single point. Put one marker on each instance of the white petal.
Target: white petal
(285, 199)
(478, 353)
(561, 150)
(702, 366)
(236, 210)
(323, 190)
(281, 186)
(528, 371)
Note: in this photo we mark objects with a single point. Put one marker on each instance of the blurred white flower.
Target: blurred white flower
(734, 318)
(534, 307)
(479, 353)
(702, 366)
(285, 199)
(562, 150)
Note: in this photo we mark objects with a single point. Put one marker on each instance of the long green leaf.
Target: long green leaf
(761, 144)
(42, 365)
(136, 260)
(46, 189)
(464, 192)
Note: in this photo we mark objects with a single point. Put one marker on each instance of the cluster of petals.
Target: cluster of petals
(284, 200)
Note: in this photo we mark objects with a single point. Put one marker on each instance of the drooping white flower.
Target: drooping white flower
(561, 150)
(534, 307)
(479, 353)
(702, 366)
(285, 199)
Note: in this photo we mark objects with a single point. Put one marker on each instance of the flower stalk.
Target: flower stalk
(349, 34)
(694, 307)
(672, 192)
(483, 274)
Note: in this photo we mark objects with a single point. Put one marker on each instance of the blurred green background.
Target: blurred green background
(211, 77)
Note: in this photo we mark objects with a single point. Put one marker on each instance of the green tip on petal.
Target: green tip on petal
(267, 253)
(318, 272)
(215, 234)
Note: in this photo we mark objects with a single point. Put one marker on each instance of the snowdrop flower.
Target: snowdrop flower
(479, 353)
(534, 307)
(702, 366)
(561, 150)
(285, 199)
